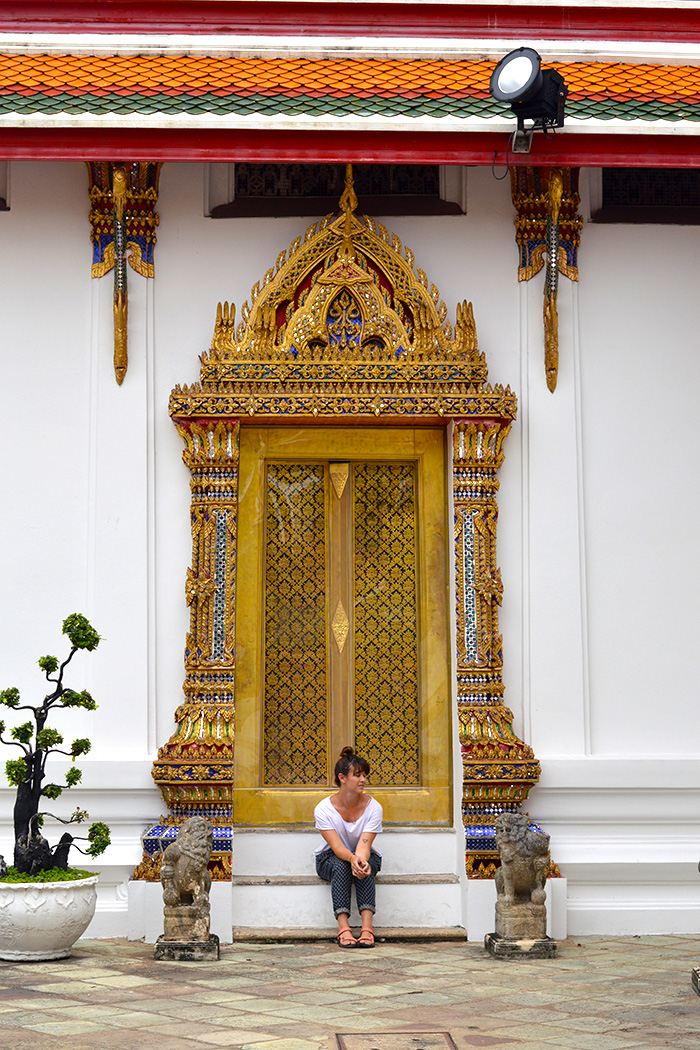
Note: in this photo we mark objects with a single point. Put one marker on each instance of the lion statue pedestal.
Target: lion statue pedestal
(186, 883)
(521, 915)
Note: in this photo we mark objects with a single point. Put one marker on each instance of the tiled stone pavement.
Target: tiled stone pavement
(599, 994)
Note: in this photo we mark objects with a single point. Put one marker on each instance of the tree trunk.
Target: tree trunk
(60, 854)
(32, 851)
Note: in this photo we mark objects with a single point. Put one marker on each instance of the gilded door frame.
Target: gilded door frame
(296, 358)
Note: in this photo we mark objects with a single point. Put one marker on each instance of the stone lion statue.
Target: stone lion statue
(186, 881)
(524, 855)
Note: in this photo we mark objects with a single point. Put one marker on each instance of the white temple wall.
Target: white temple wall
(598, 507)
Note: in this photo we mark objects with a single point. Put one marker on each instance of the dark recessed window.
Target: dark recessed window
(4, 185)
(315, 189)
(649, 195)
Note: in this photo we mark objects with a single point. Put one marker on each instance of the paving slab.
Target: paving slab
(600, 994)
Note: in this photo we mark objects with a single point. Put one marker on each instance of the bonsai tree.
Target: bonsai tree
(36, 740)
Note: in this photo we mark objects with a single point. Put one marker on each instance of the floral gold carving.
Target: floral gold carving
(194, 770)
(148, 870)
(499, 769)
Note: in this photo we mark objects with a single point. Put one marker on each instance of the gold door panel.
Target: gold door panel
(341, 632)
(386, 622)
(295, 715)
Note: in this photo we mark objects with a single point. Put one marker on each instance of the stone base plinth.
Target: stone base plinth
(187, 951)
(521, 921)
(503, 948)
(186, 922)
(695, 978)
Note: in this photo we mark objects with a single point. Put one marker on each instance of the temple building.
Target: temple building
(350, 350)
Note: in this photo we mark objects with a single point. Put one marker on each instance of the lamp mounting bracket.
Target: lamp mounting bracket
(522, 138)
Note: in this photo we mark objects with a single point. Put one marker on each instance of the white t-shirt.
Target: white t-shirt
(328, 818)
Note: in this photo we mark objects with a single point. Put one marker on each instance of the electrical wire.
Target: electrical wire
(500, 178)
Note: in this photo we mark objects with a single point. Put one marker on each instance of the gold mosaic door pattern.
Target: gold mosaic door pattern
(341, 634)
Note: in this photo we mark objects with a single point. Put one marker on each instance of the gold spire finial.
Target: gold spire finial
(348, 203)
(348, 200)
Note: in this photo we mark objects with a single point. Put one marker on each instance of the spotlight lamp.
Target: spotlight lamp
(534, 94)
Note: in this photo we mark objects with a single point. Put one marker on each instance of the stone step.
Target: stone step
(275, 934)
(300, 901)
(263, 909)
(432, 878)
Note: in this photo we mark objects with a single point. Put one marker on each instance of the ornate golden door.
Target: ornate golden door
(341, 630)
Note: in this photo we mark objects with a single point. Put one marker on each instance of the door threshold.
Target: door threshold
(275, 934)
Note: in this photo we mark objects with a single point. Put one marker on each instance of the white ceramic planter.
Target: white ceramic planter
(43, 920)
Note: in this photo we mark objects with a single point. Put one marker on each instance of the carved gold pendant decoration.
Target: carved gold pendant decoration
(339, 475)
(340, 625)
(548, 230)
(123, 221)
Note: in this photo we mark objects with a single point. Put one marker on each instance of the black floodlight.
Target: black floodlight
(534, 93)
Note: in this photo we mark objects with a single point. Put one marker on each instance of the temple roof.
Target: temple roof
(331, 81)
(157, 89)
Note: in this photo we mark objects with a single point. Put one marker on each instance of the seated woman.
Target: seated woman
(349, 822)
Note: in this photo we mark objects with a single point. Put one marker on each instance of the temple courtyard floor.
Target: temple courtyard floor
(601, 993)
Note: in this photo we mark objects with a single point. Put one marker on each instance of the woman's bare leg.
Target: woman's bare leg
(366, 938)
(345, 936)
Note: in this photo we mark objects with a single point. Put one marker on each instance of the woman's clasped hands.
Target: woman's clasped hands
(360, 867)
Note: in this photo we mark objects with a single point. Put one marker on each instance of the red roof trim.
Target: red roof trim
(370, 147)
(372, 19)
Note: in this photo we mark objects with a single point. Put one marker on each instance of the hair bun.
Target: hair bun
(347, 762)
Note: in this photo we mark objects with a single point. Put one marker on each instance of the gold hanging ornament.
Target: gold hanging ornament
(547, 226)
(121, 302)
(123, 222)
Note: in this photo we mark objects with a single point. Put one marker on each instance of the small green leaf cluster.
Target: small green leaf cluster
(73, 777)
(48, 664)
(16, 771)
(80, 632)
(47, 738)
(99, 839)
(10, 697)
(23, 733)
(72, 699)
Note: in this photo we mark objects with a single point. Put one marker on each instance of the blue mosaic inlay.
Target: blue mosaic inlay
(482, 837)
(158, 837)
(218, 638)
(470, 644)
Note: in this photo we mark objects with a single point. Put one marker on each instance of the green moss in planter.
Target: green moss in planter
(52, 875)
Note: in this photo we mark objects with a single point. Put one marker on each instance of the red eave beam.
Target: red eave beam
(331, 147)
(560, 22)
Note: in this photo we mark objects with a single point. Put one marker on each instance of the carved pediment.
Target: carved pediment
(344, 325)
